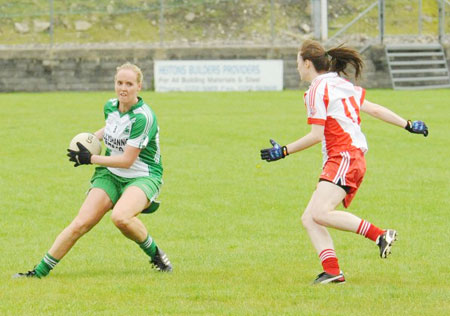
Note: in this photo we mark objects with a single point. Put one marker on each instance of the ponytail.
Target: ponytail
(335, 59)
(341, 56)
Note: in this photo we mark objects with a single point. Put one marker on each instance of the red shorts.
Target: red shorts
(346, 170)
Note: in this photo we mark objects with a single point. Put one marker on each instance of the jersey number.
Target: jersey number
(354, 115)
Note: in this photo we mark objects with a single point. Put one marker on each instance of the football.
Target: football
(89, 141)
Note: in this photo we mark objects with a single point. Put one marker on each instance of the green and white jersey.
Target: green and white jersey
(138, 128)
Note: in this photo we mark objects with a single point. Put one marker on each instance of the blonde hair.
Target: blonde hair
(133, 67)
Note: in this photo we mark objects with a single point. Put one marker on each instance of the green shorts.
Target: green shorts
(114, 185)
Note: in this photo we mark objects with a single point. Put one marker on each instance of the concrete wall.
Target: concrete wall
(91, 68)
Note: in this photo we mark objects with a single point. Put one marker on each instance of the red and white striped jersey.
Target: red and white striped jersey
(335, 103)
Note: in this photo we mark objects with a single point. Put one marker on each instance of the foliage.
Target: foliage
(203, 21)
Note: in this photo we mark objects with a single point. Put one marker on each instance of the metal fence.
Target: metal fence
(397, 21)
(217, 22)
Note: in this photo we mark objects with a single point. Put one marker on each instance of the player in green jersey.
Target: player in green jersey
(127, 180)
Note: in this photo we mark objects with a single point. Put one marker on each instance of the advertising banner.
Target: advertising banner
(218, 75)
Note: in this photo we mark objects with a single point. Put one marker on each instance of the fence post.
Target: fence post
(161, 23)
(381, 19)
(52, 23)
(441, 19)
(420, 17)
(324, 20)
(316, 18)
(272, 22)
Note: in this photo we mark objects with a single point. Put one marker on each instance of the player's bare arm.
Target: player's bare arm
(382, 113)
(313, 137)
(125, 160)
(277, 152)
(99, 134)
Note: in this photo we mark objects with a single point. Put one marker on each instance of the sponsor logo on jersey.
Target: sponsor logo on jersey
(115, 143)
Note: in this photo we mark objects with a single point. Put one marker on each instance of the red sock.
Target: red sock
(369, 230)
(329, 261)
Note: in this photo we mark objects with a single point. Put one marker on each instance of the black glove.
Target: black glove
(417, 127)
(274, 153)
(81, 157)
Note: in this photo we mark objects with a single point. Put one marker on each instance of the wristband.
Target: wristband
(408, 126)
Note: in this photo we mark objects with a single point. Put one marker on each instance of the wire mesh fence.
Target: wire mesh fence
(445, 21)
(402, 21)
(208, 22)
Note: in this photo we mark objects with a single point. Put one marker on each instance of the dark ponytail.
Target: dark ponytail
(341, 56)
(335, 59)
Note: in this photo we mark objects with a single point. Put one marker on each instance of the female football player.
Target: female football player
(333, 109)
(127, 180)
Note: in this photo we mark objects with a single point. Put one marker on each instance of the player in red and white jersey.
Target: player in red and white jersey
(335, 103)
(333, 108)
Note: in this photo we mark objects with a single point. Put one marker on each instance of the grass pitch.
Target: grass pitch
(229, 222)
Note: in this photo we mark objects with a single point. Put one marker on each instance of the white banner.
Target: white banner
(218, 75)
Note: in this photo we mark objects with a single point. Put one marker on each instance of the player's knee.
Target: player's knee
(120, 220)
(320, 218)
(307, 219)
(78, 228)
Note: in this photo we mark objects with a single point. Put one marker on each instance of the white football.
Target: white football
(89, 141)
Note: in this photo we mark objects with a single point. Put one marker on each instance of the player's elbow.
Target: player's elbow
(316, 137)
(319, 138)
(126, 163)
(375, 112)
(372, 109)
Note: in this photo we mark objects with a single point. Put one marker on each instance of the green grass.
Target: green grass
(229, 222)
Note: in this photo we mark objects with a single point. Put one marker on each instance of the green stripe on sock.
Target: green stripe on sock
(149, 246)
(46, 265)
